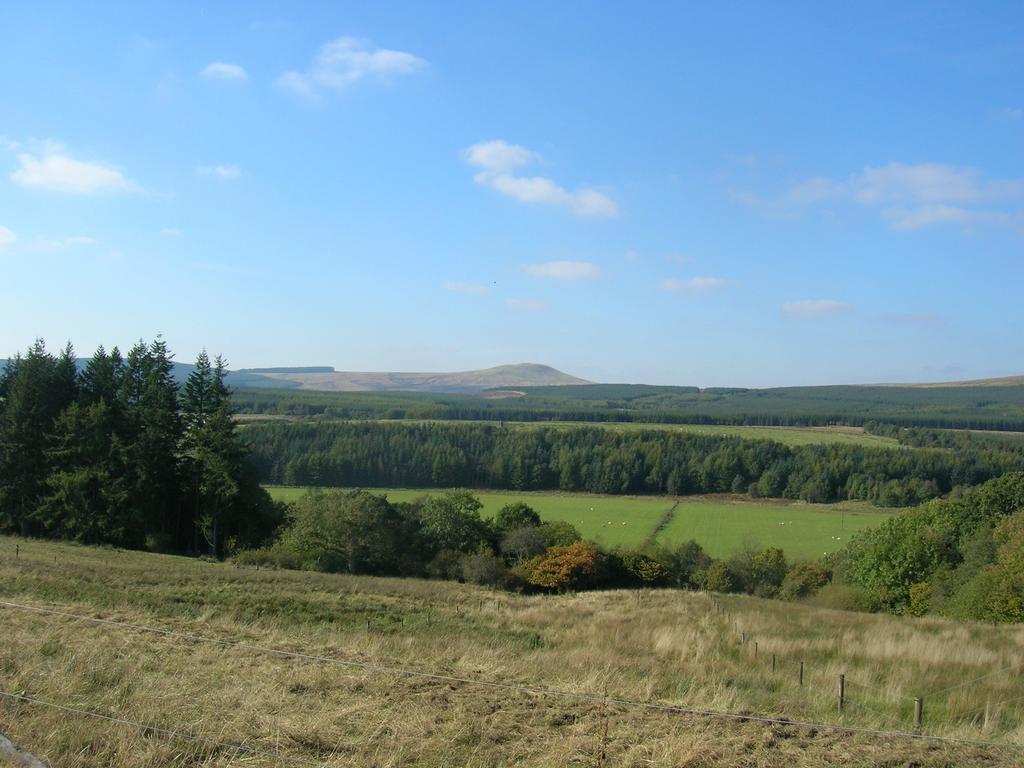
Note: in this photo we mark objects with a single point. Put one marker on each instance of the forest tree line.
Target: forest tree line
(117, 452)
(965, 407)
(601, 460)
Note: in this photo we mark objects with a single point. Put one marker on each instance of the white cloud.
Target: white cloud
(499, 156)
(223, 172)
(220, 70)
(916, 218)
(55, 170)
(912, 196)
(569, 271)
(525, 305)
(470, 288)
(170, 232)
(6, 236)
(814, 308)
(63, 243)
(693, 285)
(345, 61)
(924, 183)
(498, 162)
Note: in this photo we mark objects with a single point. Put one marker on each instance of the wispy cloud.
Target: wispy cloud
(912, 196)
(55, 170)
(7, 237)
(170, 232)
(814, 308)
(525, 305)
(220, 70)
(223, 172)
(499, 163)
(568, 271)
(469, 288)
(1011, 114)
(926, 215)
(344, 62)
(693, 285)
(63, 243)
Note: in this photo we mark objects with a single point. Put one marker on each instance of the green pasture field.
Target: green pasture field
(721, 526)
(803, 531)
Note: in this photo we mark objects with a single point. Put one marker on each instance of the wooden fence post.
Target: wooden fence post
(755, 650)
(842, 691)
(801, 674)
(773, 663)
(918, 713)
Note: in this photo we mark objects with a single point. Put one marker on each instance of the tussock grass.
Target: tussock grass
(664, 646)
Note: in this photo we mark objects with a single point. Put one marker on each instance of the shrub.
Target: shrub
(354, 532)
(452, 521)
(717, 577)
(521, 544)
(803, 580)
(447, 564)
(559, 533)
(920, 599)
(563, 568)
(273, 557)
(842, 597)
(644, 569)
(483, 568)
(758, 573)
(685, 561)
(516, 515)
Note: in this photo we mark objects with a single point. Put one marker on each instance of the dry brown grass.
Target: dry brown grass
(665, 647)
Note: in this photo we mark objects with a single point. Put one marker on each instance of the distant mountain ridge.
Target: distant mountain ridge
(325, 378)
(499, 377)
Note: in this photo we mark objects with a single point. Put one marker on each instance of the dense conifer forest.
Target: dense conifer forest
(991, 407)
(599, 460)
(119, 453)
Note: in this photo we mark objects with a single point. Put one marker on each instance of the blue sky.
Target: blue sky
(745, 194)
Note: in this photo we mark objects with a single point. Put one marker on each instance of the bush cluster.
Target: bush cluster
(446, 537)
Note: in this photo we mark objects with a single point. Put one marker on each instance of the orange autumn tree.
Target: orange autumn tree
(563, 568)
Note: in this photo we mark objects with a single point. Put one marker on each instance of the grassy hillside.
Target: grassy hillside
(645, 647)
(720, 525)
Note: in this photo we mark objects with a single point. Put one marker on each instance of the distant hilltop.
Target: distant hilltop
(298, 369)
(499, 377)
(325, 378)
